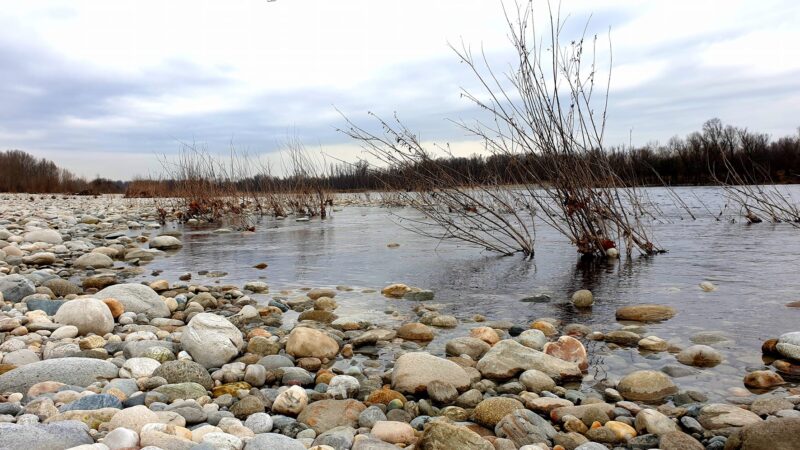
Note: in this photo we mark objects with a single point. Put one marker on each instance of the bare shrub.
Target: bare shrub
(547, 121)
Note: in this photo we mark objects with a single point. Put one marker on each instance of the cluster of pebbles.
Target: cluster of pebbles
(90, 360)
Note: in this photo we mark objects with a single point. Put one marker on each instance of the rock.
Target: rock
(645, 313)
(567, 348)
(653, 344)
(40, 259)
(591, 446)
(373, 336)
(486, 334)
(646, 386)
(92, 402)
(415, 332)
(653, 422)
(537, 381)
(271, 362)
(763, 379)
(489, 412)
(507, 358)
(89, 315)
(211, 340)
(588, 414)
(393, 432)
(95, 260)
(48, 436)
(14, 288)
(181, 391)
(789, 345)
(773, 434)
(419, 295)
(395, 290)
(414, 371)
(133, 418)
(20, 357)
(442, 392)
(121, 438)
(273, 441)
(370, 416)
(623, 338)
(534, 339)
(384, 396)
(222, 441)
(139, 368)
(184, 371)
(115, 306)
(524, 427)
(256, 375)
(308, 342)
(247, 406)
(789, 368)
(291, 401)
(717, 415)
(764, 406)
(259, 423)
(136, 298)
(61, 287)
(317, 293)
(166, 436)
(343, 386)
(46, 236)
(699, 356)
(440, 435)
(708, 286)
(326, 414)
(472, 347)
(165, 243)
(74, 371)
(49, 307)
(582, 298)
(677, 440)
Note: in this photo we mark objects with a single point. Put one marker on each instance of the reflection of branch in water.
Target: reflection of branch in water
(596, 362)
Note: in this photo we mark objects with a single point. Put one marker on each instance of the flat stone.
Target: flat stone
(49, 436)
(74, 371)
(507, 358)
(645, 313)
(413, 371)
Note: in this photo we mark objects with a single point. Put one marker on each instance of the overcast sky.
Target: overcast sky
(102, 87)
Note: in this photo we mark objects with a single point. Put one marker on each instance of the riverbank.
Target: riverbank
(99, 349)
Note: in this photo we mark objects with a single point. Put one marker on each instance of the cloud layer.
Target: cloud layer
(103, 87)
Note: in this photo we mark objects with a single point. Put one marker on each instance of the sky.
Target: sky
(112, 87)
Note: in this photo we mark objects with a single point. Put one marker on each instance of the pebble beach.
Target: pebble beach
(99, 352)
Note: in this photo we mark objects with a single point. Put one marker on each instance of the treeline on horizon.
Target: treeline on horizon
(21, 172)
(715, 153)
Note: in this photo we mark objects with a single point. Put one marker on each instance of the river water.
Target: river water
(755, 268)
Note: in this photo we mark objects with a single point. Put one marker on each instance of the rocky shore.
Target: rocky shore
(90, 359)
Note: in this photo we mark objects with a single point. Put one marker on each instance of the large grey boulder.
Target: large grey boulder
(48, 436)
(75, 371)
(90, 315)
(16, 287)
(211, 340)
(136, 298)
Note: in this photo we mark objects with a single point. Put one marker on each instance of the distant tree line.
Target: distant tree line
(22, 172)
(700, 158)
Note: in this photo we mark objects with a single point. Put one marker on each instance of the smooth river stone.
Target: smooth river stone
(789, 345)
(74, 371)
